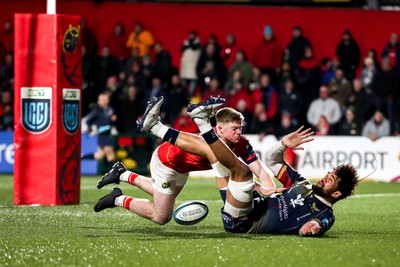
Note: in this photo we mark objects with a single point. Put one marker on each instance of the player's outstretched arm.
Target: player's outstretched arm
(295, 139)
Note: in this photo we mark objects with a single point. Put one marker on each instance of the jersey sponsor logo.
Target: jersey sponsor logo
(71, 38)
(36, 108)
(314, 208)
(298, 201)
(71, 114)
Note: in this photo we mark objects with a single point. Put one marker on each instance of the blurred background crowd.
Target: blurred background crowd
(278, 87)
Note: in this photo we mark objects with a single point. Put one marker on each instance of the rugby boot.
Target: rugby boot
(151, 115)
(204, 109)
(108, 201)
(112, 177)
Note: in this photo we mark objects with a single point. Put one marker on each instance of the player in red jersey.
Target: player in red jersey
(173, 160)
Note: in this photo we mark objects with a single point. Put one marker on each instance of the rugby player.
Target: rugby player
(173, 160)
(303, 208)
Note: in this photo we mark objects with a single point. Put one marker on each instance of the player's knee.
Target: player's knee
(242, 191)
(162, 219)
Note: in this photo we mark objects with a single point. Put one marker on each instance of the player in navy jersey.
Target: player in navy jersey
(302, 208)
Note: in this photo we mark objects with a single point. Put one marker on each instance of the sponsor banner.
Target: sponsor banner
(6, 152)
(89, 145)
(324, 153)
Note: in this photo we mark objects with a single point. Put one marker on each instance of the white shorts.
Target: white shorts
(164, 178)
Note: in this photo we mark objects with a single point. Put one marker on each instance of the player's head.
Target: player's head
(103, 99)
(337, 184)
(229, 124)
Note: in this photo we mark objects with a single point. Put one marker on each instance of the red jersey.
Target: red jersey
(183, 162)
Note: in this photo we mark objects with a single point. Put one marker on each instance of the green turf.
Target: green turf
(366, 233)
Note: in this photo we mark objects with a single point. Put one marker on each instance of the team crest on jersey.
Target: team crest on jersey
(36, 108)
(71, 114)
(71, 38)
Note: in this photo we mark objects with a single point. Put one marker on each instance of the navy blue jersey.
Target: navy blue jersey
(285, 213)
(101, 118)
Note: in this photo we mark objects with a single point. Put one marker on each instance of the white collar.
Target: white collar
(323, 200)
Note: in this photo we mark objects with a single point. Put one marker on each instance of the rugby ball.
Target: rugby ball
(190, 212)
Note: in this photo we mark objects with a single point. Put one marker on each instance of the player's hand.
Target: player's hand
(295, 139)
(310, 228)
(267, 191)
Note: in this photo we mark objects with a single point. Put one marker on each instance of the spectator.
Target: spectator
(349, 125)
(178, 98)
(323, 106)
(89, 40)
(323, 127)
(261, 124)
(162, 63)
(348, 53)
(239, 100)
(105, 67)
(267, 95)
(134, 57)
(6, 111)
(89, 94)
(213, 89)
(210, 57)
(367, 73)
(234, 78)
(241, 64)
(372, 54)
(140, 38)
(339, 88)
(228, 52)
(6, 40)
(392, 51)
(117, 44)
(361, 101)
(148, 71)
(377, 127)
(383, 86)
(7, 71)
(184, 123)
(190, 56)
(156, 90)
(255, 78)
(308, 76)
(131, 108)
(286, 126)
(289, 102)
(295, 49)
(284, 75)
(267, 54)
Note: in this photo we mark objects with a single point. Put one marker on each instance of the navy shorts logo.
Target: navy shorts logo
(36, 108)
(71, 114)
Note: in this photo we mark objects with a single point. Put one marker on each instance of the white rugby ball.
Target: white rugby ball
(190, 212)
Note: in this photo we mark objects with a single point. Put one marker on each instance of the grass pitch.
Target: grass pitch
(366, 233)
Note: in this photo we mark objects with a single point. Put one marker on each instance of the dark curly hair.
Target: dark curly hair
(349, 179)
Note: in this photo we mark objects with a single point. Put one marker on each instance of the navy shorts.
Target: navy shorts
(104, 140)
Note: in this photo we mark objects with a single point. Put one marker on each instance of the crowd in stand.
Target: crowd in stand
(276, 87)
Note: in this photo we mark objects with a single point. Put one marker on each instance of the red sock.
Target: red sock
(132, 177)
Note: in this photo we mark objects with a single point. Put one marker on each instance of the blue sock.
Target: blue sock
(210, 136)
(171, 135)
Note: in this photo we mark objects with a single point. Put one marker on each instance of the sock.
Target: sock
(210, 136)
(123, 201)
(171, 135)
(204, 126)
(128, 177)
(159, 130)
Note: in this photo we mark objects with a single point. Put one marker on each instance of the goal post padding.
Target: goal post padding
(47, 109)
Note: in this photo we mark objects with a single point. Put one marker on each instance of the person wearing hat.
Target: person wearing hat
(267, 54)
